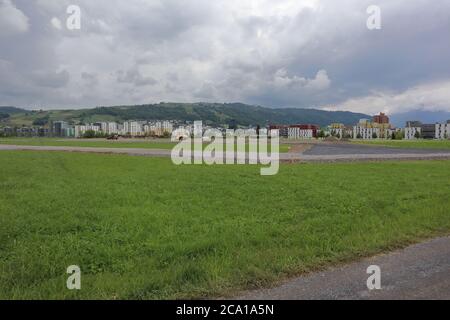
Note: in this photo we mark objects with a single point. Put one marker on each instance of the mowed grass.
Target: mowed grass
(97, 143)
(408, 144)
(142, 228)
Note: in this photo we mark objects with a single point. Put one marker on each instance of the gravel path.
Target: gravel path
(355, 149)
(418, 272)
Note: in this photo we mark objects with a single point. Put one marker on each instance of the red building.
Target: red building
(381, 119)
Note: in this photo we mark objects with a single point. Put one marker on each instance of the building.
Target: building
(132, 128)
(337, 130)
(366, 133)
(382, 122)
(297, 133)
(59, 128)
(112, 128)
(159, 128)
(103, 126)
(412, 133)
(381, 119)
(366, 130)
(282, 129)
(428, 131)
(442, 130)
(80, 130)
(416, 124)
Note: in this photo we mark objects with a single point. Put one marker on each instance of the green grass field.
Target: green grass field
(97, 143)
(408, 144)
(142, 228)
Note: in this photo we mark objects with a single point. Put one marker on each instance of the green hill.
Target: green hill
(210, 113)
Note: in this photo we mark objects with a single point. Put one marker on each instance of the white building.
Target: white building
(159, 128)
(337, 132)
(297, 133)
(132, 128)
(365, 132)
(443, 130)
(112, 128)
(81, 130)
(411, 132)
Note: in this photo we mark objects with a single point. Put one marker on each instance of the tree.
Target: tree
(321, 134)
(399, 135)
(417, 135)
(374, 135)
(393, 135)
(359, 136)
(338, 135)
(89, 134)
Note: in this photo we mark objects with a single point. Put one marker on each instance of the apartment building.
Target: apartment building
(412, 133)
(298, 131)
(337, 129)
(298, 134)
(442, 130)
(366, 130)
(132, 128)
(80, 130)
(381, 119)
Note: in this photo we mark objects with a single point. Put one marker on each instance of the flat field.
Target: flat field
(142, 228)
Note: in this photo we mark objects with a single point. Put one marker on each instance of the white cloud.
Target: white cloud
(427, 97)
(56, 23)
(12, 20)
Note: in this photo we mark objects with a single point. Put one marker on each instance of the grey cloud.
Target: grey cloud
(51, 79)
(295, 53)
(135, 77)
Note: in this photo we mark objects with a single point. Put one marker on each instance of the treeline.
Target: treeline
(214, 114)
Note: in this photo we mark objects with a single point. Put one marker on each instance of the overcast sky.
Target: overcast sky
(284, 53)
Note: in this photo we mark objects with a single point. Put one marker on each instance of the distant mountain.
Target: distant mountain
(11, 110)
(210, 113)
(400, 119)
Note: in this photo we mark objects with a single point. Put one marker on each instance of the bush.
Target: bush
(89, 134)
(399, 135)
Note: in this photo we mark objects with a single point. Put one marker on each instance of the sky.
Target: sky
(284, 53)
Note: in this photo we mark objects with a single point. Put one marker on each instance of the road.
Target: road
(418, 272)
(327, 149)
(317, 153)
